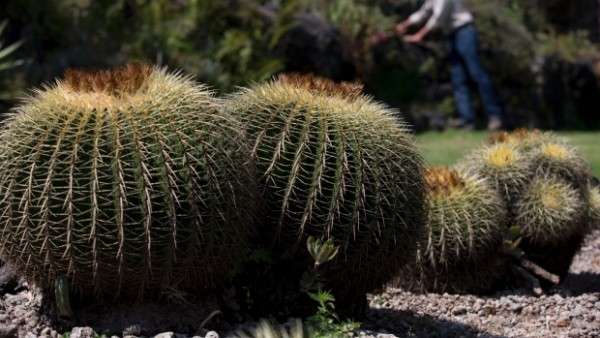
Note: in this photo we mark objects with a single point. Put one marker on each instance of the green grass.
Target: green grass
(445, 148)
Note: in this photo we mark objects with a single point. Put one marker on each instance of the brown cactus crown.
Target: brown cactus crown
(443, 180)
(520, 134)
(116, 82)
(345, 90)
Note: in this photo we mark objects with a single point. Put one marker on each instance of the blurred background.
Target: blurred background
(543, 55)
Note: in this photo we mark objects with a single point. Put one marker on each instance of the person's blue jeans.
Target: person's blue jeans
(463, 54)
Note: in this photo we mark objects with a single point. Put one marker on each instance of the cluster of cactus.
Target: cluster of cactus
(465, 230)
(552, 199)
(130, 181)
(528, 180)
(135, 181)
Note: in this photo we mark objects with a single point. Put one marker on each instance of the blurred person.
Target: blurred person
(456, 23)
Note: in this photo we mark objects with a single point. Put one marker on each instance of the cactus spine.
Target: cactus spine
(128, 181)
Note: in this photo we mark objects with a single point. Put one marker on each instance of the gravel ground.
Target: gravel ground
(570, 310)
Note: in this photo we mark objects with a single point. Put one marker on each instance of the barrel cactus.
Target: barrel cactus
(553, 206)
(335, 164)
(550, 210)
(465, 232)
(554, 218)
(504, 164)
(557, 157)
(129, 182)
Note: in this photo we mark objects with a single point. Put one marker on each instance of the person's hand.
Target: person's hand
(378, 37)
(418, 36)
(401, 28)
(413, 38)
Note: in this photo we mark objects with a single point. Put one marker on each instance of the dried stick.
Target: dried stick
(535, 284)
(538, 270)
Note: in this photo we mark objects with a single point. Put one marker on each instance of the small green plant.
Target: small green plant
(512, 240)
(326, 323)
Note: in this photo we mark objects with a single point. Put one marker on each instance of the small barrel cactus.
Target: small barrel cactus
(130, 181)
(504, 164)
(465, 231)
(554, 219)
(555, 156)
(335, 164)
(550, 210)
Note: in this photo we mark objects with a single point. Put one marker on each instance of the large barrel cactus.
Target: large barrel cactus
(129, 182)
(465, 232)
(335, 164)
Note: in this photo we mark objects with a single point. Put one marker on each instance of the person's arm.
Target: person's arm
(439, 12)
(416, 18)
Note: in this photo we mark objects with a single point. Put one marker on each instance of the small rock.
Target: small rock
(563, 322)
(82, 332)
(132, 330)
(488, 310)
(165, 335)
(459, 311)
(8, 331)
(211, 334)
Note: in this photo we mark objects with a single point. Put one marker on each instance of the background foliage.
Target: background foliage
(543, 55)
